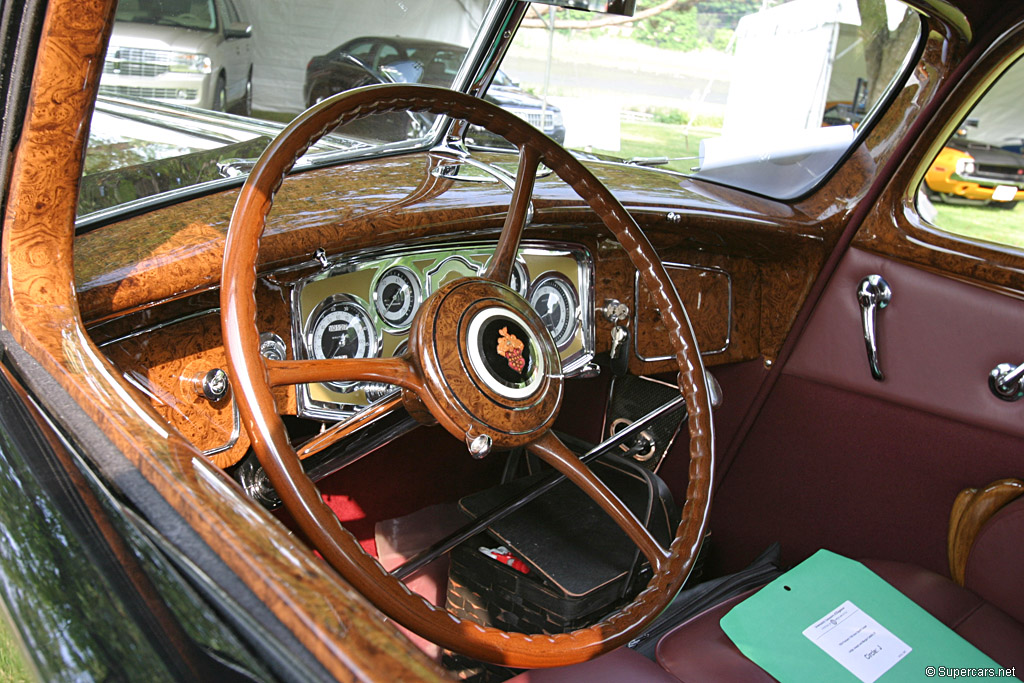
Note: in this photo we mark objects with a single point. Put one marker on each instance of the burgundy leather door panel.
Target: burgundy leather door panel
(938, 338)
(838, 460)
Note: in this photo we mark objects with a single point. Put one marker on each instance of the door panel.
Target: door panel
(866, 468)
(938, 340)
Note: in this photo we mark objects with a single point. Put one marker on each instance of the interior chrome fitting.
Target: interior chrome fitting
(272, 346)
(478, 446)
(213, 386)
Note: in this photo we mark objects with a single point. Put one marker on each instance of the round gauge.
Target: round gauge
(520, 280)
(554, 299)
(396, 296)
(339, 327)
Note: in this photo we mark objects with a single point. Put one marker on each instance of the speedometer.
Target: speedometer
(396, 296)
(554, 298)
(339, 327)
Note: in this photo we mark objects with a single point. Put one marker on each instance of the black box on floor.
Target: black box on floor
(582, 566)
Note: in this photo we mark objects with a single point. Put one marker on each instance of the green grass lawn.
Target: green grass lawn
(13, 668)
(650, 139)
(988, 223)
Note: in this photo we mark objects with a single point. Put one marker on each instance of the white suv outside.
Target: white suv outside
(193, 52)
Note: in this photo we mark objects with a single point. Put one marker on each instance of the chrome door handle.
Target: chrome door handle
(1007, 381)
(873, 294)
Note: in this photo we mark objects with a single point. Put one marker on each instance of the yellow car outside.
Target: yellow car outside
(952, 176)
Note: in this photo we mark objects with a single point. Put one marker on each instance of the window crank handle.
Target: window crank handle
(1007, 381)
(873, 294)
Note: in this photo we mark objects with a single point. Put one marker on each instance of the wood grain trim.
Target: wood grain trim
(38, 305)
(971, 510)
(895, 229)
(283, 467)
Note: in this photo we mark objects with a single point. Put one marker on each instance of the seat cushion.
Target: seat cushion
(698, 649)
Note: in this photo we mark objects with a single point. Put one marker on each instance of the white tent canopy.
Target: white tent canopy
(291, 38)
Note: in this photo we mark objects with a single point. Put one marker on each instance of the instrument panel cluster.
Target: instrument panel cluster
(362, 307)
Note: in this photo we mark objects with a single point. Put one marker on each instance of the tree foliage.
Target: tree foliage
(674, 24)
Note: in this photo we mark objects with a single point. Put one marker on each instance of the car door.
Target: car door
(866, 465)
(236, 51)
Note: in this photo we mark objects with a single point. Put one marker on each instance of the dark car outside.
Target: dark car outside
(371, 60)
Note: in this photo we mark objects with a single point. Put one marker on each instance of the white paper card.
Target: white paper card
(1004, 193)
(862, 645)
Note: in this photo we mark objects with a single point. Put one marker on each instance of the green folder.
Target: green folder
(830, 609)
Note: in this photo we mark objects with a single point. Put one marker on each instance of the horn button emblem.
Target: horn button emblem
(503, 353)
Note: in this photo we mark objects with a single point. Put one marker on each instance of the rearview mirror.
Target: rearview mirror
(624, 7)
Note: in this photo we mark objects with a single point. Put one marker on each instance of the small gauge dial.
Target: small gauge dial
(520, 280)
(396, 296)
(339, 327)
(554, 299)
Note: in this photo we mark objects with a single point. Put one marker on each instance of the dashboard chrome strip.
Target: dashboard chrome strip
(159, 326)
(636, 311)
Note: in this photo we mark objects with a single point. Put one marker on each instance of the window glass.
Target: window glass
(758, 94)
(974, 185)
(192, 14)
(157, 127)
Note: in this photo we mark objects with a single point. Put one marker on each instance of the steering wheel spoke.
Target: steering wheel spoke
(551, 450)
(499, 268)
(397, 370)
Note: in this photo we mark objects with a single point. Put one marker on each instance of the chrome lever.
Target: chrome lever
(873, 294)
(1007, 381)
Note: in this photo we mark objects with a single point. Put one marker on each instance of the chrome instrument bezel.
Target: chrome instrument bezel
(417, 296)
(313, 317)
(560, 282)
(427, 262)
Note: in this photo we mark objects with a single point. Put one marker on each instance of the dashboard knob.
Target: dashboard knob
(272, 346)
(213, 386)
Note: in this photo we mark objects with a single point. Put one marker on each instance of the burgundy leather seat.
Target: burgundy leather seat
(698, 650)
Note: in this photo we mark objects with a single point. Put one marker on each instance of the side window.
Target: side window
(974, 185)
(385, 55)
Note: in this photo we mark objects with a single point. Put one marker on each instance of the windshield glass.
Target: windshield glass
(759, 94)
(193, 14)
(173, 66)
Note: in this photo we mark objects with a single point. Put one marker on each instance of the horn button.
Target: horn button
(488, 363)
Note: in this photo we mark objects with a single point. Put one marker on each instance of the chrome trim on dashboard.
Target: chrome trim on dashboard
(432, 262)
(636, 311)
(157, 326)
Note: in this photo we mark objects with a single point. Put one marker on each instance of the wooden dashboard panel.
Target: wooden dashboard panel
(164, 362)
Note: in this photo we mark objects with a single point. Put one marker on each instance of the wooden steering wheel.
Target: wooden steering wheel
(477, 393)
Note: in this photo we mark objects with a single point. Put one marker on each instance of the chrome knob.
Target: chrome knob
(213, 386)
(479, 446)
(1006, 381)
(272, 346)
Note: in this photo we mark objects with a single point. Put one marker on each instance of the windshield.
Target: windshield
(193, 14)
(759, 94)
(193, 90)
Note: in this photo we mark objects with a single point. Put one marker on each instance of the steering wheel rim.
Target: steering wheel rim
(252, 377)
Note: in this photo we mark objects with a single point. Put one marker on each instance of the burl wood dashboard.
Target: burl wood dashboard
(349, 252)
